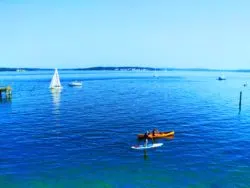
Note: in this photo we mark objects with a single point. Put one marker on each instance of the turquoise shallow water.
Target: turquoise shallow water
(81, 137)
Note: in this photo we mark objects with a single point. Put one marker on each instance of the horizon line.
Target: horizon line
(126, 67)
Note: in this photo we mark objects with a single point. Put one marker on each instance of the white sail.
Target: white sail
(55, 82)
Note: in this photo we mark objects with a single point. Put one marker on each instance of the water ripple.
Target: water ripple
(88, 131)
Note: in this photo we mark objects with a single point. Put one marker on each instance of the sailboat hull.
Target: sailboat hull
(56, 88)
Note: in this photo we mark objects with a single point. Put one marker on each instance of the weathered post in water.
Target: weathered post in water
(240, 101)
(7, 91)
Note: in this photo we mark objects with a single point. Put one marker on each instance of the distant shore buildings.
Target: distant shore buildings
(20, 70)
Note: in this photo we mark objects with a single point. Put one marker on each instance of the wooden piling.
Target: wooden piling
(240, 101)
(7, 90)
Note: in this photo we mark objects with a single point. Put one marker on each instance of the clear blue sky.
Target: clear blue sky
(181, 33)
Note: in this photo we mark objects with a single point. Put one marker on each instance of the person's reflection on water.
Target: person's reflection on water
(170, 137)
(145, 155)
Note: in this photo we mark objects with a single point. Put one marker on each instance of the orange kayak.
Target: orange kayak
(157, 135)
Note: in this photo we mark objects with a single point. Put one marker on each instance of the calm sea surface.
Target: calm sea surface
(81, 137)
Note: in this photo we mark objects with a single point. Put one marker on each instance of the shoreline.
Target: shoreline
(125, 68)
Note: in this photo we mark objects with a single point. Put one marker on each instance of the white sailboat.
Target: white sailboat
(55, 81)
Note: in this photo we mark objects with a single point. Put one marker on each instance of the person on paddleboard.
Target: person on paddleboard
(146, 137)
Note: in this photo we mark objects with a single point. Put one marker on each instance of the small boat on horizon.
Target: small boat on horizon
(222, 77)
(55, 81)
(75, 83)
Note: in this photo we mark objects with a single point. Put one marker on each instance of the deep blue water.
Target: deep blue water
(81, 137)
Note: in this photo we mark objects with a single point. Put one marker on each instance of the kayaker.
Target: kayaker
(155, 131)
(146, 137)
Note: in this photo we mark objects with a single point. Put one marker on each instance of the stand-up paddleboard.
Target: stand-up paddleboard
(148, 146)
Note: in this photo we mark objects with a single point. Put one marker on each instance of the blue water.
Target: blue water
(81, 137)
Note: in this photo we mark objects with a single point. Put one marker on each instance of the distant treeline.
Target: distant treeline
(23, 69)
(120, 68)
(127, 68)
(86, 69)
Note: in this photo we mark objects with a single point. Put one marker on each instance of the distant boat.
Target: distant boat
(75, 83)
(245, 84)
(155, 74)
(55, 81)
(222, 77)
